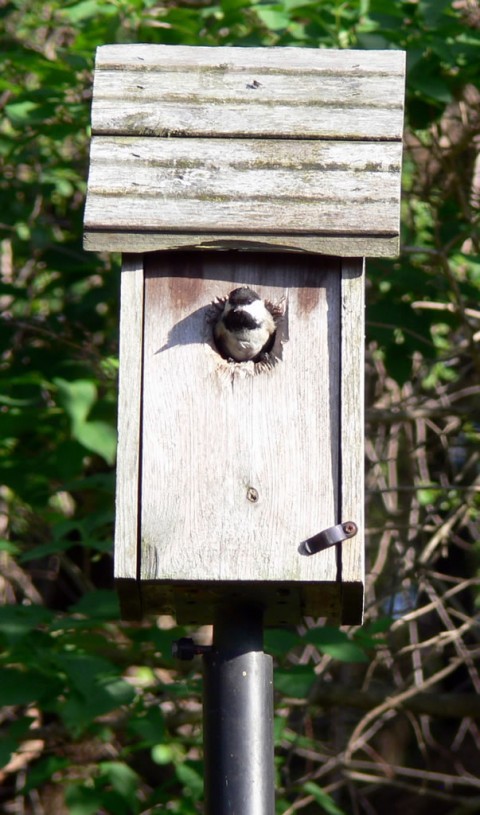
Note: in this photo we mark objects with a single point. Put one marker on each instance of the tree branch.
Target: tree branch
(442, 705)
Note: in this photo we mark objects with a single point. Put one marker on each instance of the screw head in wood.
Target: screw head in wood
(252, 495)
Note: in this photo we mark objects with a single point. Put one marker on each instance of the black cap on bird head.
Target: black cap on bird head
(242, 296)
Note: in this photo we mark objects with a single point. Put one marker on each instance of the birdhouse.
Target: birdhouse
(276, 170)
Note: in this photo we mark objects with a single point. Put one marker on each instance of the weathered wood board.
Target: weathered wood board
(164, 90)
(293, 149)
(201, 186)
(239, 467)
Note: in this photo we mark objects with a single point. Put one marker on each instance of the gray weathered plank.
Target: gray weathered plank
(129, 212)
(241, 120)
(145, 57)
(211, 171)
(129, 413)
(352, 435)
(195, 158)
(339, 245)
(174, 87)
(269, 92)
(211, 431)
(281, 187)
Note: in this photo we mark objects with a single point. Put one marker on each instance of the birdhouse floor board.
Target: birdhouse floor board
(283, 603)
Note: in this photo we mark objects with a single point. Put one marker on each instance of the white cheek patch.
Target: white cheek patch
(256, 309)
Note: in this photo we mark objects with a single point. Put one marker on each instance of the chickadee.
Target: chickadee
(246, 327)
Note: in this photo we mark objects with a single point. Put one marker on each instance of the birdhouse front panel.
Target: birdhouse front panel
(230, 468)
(240, 448)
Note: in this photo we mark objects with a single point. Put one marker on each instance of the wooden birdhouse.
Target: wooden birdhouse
(276, 169)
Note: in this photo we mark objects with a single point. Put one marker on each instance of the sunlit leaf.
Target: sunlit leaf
(77, 398)
(98, 437)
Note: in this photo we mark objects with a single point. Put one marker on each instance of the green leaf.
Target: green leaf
(336, 644)
(234, 5)
(9, 547)
(84, 800)
(291, 5)
(387, 7)
(149, 728)
(121, 778)
(273, 17)
(295, 682)
(432, 87)
(326, 635)
(346, 652)
(22, 113)
(280, 641)
(322, 798)
(95, 689)
(18, 621)
(77, 398)
(369, 635)
(88, 9)
(98, 437)
(43, 771)
(98, 605)
(427, 496)
(23, 687)
(432, 10)
(191, 779)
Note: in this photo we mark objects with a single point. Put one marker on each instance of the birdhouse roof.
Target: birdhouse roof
(262, 148)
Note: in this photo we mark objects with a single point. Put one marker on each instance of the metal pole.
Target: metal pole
(238, 717)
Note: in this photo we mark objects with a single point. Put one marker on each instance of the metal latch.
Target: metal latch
(329, 537)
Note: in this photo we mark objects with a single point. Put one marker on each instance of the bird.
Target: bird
(245, 329)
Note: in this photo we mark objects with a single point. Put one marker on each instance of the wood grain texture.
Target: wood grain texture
(352, 436)
(129, 418)
(274, 92)
(339, 245)
(298, 147)
(213, 432)
(209, 431)
(281, 187)
(145, 57)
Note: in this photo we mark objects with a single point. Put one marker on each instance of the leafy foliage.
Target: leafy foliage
(97, 717)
